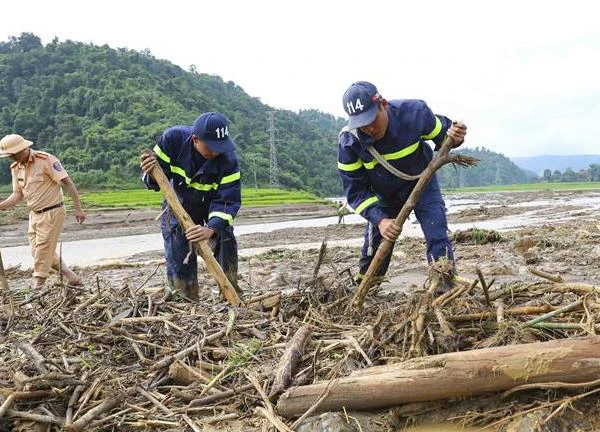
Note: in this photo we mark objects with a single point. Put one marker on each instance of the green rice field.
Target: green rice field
(142, 198)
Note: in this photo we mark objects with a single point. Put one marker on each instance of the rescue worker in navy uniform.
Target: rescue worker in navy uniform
(201, 164)
(397, 129)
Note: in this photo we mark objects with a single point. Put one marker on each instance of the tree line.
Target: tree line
(592, 174)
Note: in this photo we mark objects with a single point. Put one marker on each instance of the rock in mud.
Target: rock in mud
(533, 422)
(328, 422)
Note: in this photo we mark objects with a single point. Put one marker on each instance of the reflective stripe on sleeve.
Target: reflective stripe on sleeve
(230, 178)
(366, 203)
(436, 130)
(350, 167)
(221, 215)
(161, 154)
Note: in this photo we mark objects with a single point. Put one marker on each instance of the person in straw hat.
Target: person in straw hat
(38, 177)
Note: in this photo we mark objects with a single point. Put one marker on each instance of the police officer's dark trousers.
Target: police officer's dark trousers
(182, 266)
(431, 214)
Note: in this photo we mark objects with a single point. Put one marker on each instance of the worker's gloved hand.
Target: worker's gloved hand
(457, 132)
(147, 161)
(198, 233)
(389, 229)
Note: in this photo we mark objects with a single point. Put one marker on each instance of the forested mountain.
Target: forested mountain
(493, 168)
(96, 107)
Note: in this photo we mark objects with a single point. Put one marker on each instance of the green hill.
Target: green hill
(96, 107)
(492, 169)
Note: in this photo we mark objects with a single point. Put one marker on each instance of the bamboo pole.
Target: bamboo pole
(201, 246)
(443, 157)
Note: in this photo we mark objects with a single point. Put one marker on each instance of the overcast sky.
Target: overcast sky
(523, 75)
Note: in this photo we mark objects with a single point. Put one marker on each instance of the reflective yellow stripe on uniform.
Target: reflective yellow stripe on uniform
(201, 186)
(366, 203)
(436, 130)
(198, 186)
(222, 215)
(396, 155)
(230, 178)
(350, 167)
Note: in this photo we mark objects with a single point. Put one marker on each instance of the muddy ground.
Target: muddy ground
(571, 248)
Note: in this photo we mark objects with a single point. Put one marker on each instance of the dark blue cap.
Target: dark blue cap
(360, 103)
(212, 128)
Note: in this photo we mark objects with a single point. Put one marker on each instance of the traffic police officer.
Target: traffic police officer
(397, 130)
(201, 164)
(38, 176)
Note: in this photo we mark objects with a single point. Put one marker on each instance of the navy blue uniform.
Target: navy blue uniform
(210, 191)
(375, 193)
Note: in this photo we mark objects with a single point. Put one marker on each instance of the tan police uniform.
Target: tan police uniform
(39, 180)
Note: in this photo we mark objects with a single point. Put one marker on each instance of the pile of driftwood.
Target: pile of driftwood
(137, 358)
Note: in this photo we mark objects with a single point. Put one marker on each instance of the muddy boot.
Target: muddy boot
(445, 270)
(447, 283)
(188, 289)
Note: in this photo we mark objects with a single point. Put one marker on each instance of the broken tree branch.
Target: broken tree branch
(289, 360)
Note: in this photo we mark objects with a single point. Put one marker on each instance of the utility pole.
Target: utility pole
(274, 171)
(252, 157)
(498, 176)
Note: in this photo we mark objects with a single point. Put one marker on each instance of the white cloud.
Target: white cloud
(523, 75)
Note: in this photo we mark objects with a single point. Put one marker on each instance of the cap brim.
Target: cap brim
(363, 119)
(221, 146)
(5, 155)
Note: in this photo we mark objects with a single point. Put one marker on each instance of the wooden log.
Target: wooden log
(452, 375)
(443, 157)
(287, 365)
(202, 247)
